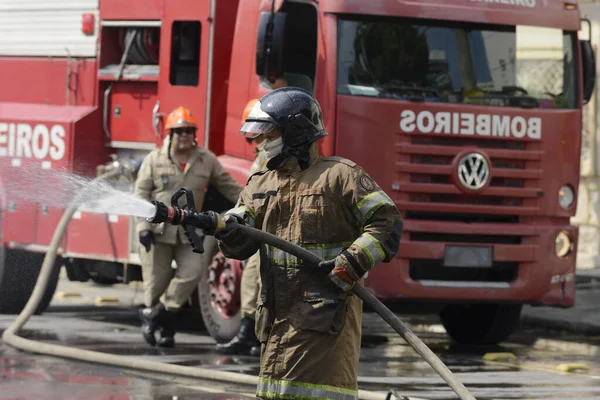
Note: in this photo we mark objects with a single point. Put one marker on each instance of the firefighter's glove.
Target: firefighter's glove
(147, 239)
(212, 223)
(341, 272)
(226, 227)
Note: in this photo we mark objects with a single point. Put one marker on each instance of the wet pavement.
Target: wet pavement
(35, 377)
(584, 318)
(523, 368)
(526, 367)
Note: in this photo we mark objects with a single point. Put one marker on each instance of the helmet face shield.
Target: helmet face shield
(257, 122)
(252, 129)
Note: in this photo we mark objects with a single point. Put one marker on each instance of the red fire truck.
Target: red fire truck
(467, 112)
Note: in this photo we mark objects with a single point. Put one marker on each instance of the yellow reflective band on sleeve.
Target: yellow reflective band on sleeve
(371, 247)
(244, 213)
(370, 204)
(281, 389)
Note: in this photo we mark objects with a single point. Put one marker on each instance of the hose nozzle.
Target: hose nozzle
(162, 214)
(209, 222)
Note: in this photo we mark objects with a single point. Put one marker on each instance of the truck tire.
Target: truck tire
(99, 280)
(473, 324)
(222, 321)
(19, 271)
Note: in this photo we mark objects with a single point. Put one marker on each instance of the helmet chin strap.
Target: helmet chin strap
(169, 148)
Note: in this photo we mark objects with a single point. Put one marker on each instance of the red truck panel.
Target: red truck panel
(130, 111)
(46, 80)
(35, 141)
(19, 216)
(131, 9)
(526, 12)
(239, 168)
(193, 97)
(100, 236)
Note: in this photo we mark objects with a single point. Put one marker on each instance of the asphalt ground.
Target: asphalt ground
(536, 363)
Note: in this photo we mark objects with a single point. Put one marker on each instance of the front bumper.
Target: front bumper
(529, 272)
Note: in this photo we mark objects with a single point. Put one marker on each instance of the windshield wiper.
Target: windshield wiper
(509, 96)
(411, 93)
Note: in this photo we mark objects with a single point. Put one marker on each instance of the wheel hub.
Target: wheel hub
(224, 277)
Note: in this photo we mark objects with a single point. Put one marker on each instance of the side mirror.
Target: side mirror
(589, 69)
(588, 63)
(269, 44)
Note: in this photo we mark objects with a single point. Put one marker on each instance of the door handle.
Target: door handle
(105, 111)
(156, 117)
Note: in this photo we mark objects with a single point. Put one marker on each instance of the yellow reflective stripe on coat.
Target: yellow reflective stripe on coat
(244, 213)
(323, 251)
(370, 204)
(371, 247)
(280, 389)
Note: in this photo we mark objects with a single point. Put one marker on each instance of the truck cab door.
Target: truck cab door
(184, 66)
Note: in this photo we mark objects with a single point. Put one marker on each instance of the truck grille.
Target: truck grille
(438, 214)
(425, 163)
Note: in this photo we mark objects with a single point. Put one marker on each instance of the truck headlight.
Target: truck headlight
(566, 196)
(563, 244)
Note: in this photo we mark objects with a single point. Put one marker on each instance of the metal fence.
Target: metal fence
(541, 76)
(546, 76)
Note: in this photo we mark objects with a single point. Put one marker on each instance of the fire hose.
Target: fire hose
(10, 335)
(190, 220)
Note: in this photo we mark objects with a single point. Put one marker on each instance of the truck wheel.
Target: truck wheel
(103, 273)
(480, 323)
(19, 271)
(99, 280)
(219, 293)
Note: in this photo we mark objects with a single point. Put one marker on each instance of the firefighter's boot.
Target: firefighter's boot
(244, 343)
(167, 333)
(150, 317)
(255, 350)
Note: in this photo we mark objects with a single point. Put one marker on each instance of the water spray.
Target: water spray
(211, 222)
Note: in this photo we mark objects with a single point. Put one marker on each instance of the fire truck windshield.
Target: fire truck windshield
(418, 60)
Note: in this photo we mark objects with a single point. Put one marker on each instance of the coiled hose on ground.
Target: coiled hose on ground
(10, 335)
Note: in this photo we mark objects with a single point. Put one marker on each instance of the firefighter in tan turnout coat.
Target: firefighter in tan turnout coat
(309, 326)
(178, 163)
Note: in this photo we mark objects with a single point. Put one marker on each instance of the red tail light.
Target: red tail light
(87, 24)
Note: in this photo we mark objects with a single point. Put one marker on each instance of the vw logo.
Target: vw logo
(473, 171)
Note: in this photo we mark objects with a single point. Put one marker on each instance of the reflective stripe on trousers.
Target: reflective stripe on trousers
(280, 389)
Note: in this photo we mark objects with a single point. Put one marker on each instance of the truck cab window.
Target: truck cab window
(421, 60)
(185, 53)
(300, 46)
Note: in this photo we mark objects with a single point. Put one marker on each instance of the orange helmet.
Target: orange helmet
(247, 109)
(180, 117)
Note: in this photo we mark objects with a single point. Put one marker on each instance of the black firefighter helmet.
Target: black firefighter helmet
(294, 111)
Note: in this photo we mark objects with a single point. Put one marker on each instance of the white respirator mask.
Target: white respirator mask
(273, 148)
